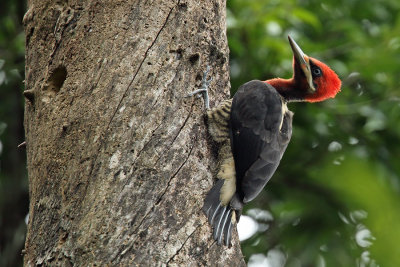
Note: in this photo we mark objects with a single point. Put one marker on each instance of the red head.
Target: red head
(312, 80)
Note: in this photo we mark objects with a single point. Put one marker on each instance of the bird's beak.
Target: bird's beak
(304, 62)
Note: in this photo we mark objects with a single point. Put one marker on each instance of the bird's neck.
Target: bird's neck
(288, 89)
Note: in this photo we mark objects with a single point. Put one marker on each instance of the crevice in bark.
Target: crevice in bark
(183, 125)
(140, 65)
(134, 233)
(147, 143)
(67, 15)
(194, 58)
(29, 95)
(173, 176)
(102, 136)
(101, 139)
(53, 83)
(57, 78)
(99, 75)
(184, 243)
(179, 131)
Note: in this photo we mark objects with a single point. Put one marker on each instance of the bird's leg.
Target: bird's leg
(203, 89)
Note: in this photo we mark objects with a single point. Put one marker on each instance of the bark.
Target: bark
(119, 161)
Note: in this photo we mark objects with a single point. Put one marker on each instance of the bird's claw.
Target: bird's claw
(204, 88)
(205, 83)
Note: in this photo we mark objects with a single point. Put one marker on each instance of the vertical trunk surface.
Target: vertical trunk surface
(118, 159)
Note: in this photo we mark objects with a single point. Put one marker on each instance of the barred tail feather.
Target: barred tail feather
(228, 229)
(219, 216)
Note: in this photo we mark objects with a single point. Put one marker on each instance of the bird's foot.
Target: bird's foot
(203, 89)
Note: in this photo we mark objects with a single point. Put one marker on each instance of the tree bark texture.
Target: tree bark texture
(119, 161)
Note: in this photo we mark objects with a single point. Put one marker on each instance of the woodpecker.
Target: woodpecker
(253, 130)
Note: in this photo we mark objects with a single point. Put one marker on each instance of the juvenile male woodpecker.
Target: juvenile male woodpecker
(254, 129)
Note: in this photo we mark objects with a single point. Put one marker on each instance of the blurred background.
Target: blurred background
(335, 199)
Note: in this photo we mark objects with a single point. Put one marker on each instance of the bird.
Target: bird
(253, 130)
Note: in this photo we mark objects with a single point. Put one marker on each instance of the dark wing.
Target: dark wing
(259, 137)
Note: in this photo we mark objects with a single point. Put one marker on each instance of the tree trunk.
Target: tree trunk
(119, 161)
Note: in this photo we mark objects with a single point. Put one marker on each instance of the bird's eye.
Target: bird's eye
(316, 72)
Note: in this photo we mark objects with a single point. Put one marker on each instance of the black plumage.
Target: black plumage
(259, 127)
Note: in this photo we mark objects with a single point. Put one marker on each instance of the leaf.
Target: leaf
(307, 17)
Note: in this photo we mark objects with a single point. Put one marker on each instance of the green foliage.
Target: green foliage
(365, 185)
(335, 196)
